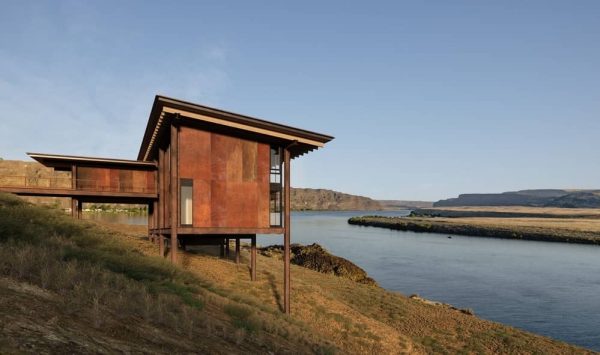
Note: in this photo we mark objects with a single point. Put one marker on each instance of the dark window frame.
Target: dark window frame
(183, 182)
(276, 185)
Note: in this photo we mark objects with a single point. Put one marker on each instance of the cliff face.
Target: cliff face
(320, 199)
(535, 198)
(15, 172)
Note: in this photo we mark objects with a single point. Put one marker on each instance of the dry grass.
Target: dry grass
(70, 286)
(540, 224)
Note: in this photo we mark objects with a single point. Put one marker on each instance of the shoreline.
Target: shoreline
(464, 227)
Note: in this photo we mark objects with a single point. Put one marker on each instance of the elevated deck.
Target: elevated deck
(84, 190)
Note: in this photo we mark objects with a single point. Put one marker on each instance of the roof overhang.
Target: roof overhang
(55, 160)
(165, 109)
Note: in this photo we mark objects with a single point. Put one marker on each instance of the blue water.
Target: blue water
(547, 288)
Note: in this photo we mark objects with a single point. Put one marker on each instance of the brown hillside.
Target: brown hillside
(321, 199)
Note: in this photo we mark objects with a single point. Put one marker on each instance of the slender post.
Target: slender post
(227, 248)
(161, 188)
(149, 209)
(155, 219)
(79, 209)
(73, 207)
(174, 189)
(286, 238)
(237, 250)
(74, 177)
(253, 257)
(161, 246)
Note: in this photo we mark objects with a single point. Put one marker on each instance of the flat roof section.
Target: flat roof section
(52, 160)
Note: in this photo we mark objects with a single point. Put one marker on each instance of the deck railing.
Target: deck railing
(16, 181)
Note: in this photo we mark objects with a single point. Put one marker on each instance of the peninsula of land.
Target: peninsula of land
(527, 223)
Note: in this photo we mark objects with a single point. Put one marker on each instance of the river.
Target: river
(547, 288)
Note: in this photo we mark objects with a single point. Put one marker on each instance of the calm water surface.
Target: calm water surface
(546, 288)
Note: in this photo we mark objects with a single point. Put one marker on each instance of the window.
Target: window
(187, 194)
(275, 200)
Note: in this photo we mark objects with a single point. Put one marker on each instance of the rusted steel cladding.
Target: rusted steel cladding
(230, 179)
(115, 179)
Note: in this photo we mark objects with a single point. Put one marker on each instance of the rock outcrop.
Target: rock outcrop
(315, 257)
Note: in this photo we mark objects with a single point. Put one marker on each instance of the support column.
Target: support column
(79, 209)
(237, 250)
(74, 177)
(155, 219)
(286, 238)
(174, 188)
(150, 221)
(227, 248)
(73, 207)
(161, 246)
(253, 258)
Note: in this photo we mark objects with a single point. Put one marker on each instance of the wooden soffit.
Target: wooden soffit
(165, 107)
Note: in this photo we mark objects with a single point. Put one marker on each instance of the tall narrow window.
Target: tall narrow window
(187, 194)
(275, 200)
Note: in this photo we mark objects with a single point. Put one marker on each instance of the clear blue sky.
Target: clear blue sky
(426, 99)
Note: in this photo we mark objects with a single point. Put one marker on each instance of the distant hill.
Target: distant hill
(321, 199)
(537, 198)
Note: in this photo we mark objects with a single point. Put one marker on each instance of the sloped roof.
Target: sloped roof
(164, 108)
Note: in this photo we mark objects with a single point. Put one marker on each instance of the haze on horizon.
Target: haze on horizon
(426, 101)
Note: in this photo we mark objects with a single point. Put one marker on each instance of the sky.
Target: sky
(426, 99)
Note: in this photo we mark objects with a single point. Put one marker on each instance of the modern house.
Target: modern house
(207, 176)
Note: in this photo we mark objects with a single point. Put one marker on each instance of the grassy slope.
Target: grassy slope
(71, 286)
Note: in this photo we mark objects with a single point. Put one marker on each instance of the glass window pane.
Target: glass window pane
(186, 202)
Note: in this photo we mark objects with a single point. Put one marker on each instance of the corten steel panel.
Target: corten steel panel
(230, 179)
(218, 168)
(151, 181)
(202, 203)
(219, 205)
(243, 212)
(139, 180)
(114, 179)
(125, 180)
(234, 155)
(195, 163)
(82, 177)
(249, 156)
(194, 154)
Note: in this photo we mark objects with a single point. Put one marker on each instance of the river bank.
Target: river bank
(111, 292)
(582, 231)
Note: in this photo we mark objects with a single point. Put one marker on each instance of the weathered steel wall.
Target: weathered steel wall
(230, 179)
(115, 179)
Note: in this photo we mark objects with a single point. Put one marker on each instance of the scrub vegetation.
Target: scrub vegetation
(80, 287)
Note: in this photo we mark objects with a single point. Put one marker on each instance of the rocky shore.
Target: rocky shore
(315, 257)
